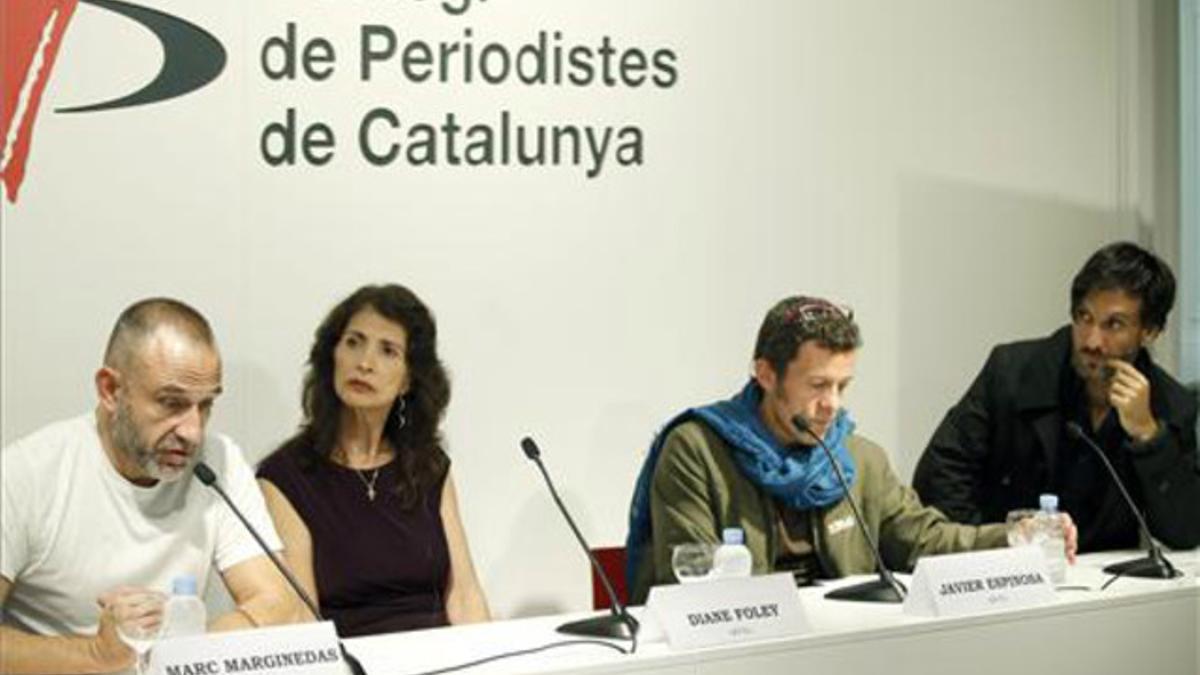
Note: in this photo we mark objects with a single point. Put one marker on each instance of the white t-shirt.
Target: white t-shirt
(74, 528)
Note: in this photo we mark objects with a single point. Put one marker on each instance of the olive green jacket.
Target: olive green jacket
(698, 490)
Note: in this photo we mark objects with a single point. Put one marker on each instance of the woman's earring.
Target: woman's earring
(401, 420)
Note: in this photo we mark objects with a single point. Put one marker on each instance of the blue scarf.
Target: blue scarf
(801, 480)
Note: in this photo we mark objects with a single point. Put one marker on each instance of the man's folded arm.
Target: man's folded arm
(22, 652)
(261, 595)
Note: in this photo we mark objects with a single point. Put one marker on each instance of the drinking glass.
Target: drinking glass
(139, 616)
(692, 562)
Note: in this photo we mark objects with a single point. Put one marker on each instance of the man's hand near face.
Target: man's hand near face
(1129, 395)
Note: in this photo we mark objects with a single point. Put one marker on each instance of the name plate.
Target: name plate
(979, 581)
(709, 613)
(310, 648)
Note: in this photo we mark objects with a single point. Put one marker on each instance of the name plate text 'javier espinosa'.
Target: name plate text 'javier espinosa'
(978, 582)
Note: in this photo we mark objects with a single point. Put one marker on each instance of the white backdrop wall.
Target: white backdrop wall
(943, 166)
(1189, 145)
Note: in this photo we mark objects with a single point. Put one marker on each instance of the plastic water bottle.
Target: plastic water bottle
(1052, 538)
(185, 612)
(732, 558)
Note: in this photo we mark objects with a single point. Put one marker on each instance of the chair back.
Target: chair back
(612, 561)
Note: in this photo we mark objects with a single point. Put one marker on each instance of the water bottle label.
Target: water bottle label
(731, 561)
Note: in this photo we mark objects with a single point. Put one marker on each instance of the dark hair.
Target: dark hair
(143, 317)
(1128, 267)
(418, 443)
(795, 320)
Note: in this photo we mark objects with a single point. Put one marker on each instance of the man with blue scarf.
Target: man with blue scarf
(742, 463)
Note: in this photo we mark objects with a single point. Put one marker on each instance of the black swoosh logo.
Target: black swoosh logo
(192, 57)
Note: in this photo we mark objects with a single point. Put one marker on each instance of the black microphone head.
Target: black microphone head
(801, 424)
(530, 448)
(1074, 430)
(204, 473)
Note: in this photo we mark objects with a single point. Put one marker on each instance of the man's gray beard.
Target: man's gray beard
(128, 441)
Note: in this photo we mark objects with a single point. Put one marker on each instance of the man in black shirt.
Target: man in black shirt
(1005, 442)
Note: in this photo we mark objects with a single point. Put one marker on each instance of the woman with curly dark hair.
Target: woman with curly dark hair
(361, 495)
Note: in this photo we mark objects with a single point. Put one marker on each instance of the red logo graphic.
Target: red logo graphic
(32, 31)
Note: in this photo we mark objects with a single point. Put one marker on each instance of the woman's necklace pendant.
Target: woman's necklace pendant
(369, 484)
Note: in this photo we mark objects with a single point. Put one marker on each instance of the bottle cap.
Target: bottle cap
(733, 536)
(1048, 503)
(184, 584)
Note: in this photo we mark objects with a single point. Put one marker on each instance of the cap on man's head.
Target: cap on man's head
(798, 319)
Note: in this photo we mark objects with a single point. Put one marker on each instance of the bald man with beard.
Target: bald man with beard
(102, 507)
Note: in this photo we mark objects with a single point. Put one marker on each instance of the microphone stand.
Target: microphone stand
(209, 478)
(887, 588)
(619, 624)
(1155, 565)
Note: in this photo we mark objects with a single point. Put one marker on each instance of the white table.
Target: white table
(1136, 626)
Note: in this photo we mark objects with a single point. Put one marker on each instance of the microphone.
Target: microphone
(887, 588)
(1155, 565)
(209, 478)
(620, 624)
